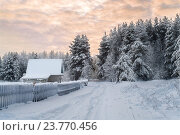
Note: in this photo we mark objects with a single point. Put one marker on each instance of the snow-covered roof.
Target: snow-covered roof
(43, 68)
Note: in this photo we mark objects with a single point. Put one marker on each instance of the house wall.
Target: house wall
(55, 78)
(34, 80)
(52, 78)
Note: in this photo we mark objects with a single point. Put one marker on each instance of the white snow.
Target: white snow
(157, 99)
(43, 68)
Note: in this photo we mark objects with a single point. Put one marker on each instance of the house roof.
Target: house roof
(43, 68)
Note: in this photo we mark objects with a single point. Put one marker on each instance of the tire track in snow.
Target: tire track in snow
(59, 111)
(75, 105)
(95, 103)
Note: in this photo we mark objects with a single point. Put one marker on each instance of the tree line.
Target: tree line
(143, 50)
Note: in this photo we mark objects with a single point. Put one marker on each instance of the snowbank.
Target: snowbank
(160, 94)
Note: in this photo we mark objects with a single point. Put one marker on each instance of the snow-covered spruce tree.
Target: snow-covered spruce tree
(66, 62)
(11, 69)
(33, 55)
(176, 59)
(149, 29)
(85, 48)
(80, 52)
(169, 49)
(7, 69)
(87, 70)
(75, 59)
(141, 33)
(177, 26)
(16, 67)
(95, 67)
(176, 33)
(123, 69)
(23, 61)
(114, 45)
(109, 73)
(158, 49)
(103, 52)
(156, 29)
(60, 55)
(129, 37)
(87, 60)
(43, 55)
(163, 27)
(0, 68)
(52, 55)
(142, 70)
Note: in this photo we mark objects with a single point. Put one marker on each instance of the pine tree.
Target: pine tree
(75, 59)
(176, 59)
(43, 55)
(80, 52)
(129, 37)
(113, 41)
(87, 70)
(95, 67)
(23, 61)
(108, 70)
(141, 69)
(11, 69)
(159, 49)
(163, 27)
(103, 52)
(16, 67)
(150, 30)
(7, 69)
(140, 32)
(169, 49)
(85, 48)
(60, 55)
(33, 55)
(0, 68)
(123, 69)
(156, 29)
(66, 62)
(51, 55)
(177, 26)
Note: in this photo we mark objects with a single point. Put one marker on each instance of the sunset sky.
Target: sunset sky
(38, 25)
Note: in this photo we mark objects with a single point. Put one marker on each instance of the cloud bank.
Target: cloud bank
(37, 25)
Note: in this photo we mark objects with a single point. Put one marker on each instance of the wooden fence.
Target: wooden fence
(24, 92)
(15, 93)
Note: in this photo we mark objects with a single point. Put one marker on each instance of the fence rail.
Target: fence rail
(25, 92)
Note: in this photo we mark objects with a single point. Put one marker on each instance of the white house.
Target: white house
(44, 70)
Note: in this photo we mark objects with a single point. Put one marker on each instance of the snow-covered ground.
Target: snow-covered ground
(156, 99)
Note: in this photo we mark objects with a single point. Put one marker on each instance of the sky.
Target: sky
(38, 25)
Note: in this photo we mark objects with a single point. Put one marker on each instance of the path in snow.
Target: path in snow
(99, 100)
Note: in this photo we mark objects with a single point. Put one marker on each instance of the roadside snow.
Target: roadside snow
(158, 99)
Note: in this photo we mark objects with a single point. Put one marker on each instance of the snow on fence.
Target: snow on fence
(15, 93)
(12, 93)
(65, 88)
(43, 91)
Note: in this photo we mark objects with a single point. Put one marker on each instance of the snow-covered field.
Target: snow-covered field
(157, 99)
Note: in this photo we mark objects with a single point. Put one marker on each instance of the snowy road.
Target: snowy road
(104, 100)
